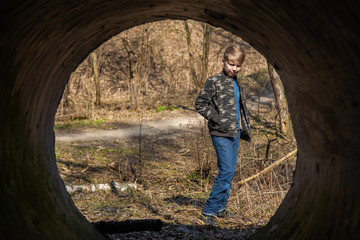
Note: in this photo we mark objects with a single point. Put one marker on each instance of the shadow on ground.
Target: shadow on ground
(180, 231)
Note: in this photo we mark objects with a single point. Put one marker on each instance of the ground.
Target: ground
(173, 168)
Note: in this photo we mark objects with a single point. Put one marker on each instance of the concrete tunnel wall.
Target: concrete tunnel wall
(313, 45)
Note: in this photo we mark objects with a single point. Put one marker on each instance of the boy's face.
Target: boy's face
(231, 67)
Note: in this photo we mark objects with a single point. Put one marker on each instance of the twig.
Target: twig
(269, 167)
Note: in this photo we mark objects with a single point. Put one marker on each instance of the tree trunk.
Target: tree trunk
(207, 30)
(132, 67)
(95, 68)
(191, 56)
(281, 103)
(66, 102)
(200, 79)
(89, 89)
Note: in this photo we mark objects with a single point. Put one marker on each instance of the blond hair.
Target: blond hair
(234, 52)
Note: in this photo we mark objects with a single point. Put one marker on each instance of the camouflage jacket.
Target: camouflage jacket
(216, 103)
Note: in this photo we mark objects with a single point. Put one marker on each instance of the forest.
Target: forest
(152, 73)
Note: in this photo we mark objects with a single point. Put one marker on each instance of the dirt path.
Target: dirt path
(146, 128)
(151, 126)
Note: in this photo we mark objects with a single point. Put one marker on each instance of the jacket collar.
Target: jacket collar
(225, 75)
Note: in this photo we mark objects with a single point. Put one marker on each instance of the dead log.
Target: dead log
(289, 155)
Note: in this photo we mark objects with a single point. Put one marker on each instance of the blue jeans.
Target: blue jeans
(226, 150)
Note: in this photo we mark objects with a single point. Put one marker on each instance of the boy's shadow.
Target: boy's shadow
(183, 200)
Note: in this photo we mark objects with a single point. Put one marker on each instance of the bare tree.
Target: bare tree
(281, 103)
(88, 89)
(199, 79)
(191, 55)
(67, 101)
(145, 58)
(96, 72)
(132, 68)
(207, 30)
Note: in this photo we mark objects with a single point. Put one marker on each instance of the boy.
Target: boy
(220, 101)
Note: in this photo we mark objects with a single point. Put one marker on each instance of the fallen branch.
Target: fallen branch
(96, 187)
(289, 155)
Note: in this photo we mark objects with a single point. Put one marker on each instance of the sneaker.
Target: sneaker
(210, 221)
(224, 213)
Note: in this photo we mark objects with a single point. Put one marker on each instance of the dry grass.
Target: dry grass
(175, 173)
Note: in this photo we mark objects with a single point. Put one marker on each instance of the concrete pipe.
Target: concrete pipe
(313, 45)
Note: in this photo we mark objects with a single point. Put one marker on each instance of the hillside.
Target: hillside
(162, 71)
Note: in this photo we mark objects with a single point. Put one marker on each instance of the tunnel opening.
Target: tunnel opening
(314, 48)
(168, 173)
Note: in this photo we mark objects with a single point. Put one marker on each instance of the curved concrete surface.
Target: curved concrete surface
(313, 45)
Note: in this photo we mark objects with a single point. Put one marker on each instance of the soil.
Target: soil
(152, 127)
